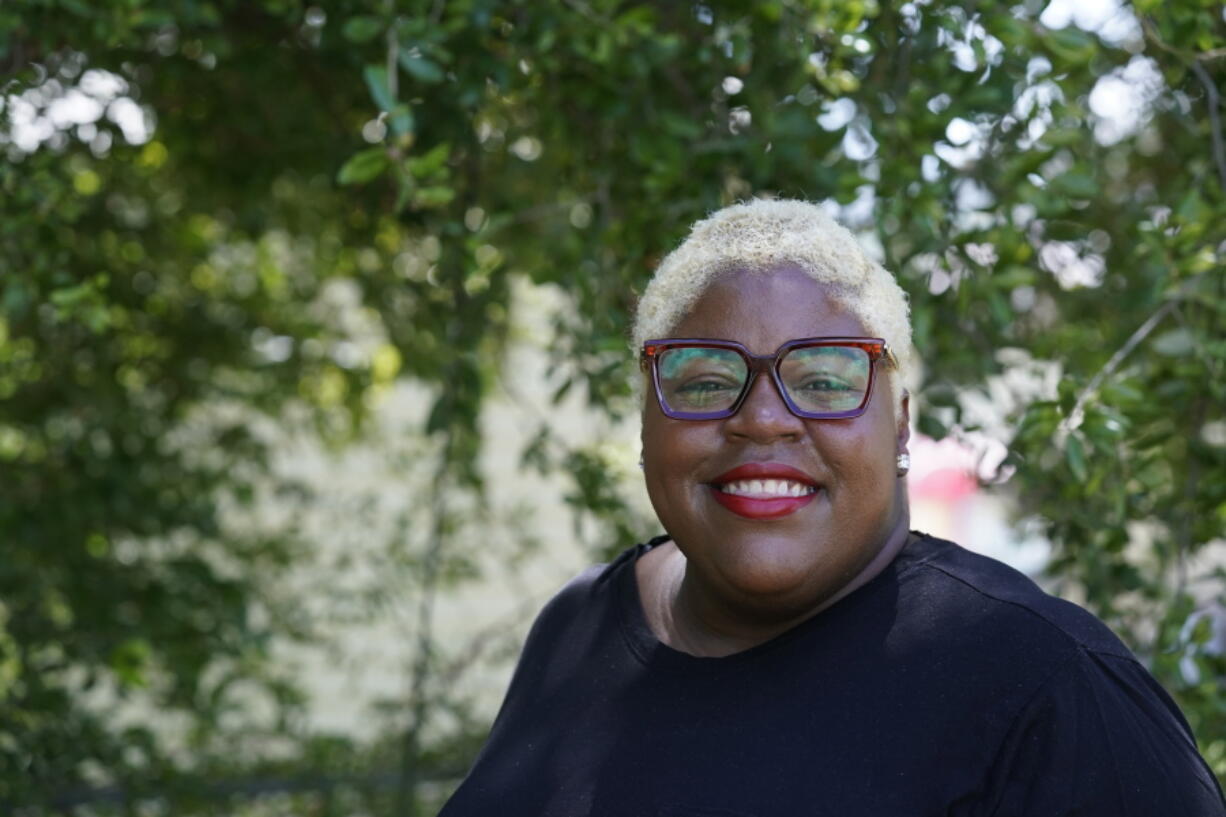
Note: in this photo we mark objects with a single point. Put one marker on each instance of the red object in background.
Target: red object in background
(948, 485)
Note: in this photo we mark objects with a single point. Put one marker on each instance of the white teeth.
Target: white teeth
(767, 488)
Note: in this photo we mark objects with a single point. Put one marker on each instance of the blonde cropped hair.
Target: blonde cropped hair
(764, 233)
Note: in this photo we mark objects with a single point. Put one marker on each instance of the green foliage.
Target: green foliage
(157, 298)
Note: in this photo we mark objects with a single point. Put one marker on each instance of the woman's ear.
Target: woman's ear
(904, 421)
(902, 455)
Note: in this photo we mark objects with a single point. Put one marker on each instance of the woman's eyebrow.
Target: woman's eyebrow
(679, 357)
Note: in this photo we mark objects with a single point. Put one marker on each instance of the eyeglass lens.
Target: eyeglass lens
(818, 379)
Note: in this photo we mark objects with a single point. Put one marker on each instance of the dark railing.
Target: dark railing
(211, 792)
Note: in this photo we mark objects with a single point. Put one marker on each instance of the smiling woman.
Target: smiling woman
(789, 646)
(754, 580)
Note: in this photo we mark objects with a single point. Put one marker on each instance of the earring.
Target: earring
(904, 464)
(640, 461)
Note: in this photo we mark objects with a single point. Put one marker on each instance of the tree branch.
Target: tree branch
(1143, 331)
(1192, 61)
(406, 791)
(1215, 120)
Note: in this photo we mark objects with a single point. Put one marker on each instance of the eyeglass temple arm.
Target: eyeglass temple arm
(889, 355)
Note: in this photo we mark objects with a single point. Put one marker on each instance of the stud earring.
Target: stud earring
(904, 464)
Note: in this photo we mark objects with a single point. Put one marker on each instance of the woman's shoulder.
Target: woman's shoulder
(989, 599)
(1083, 719)
(590, 598)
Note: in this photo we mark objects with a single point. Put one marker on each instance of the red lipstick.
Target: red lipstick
(762, 507)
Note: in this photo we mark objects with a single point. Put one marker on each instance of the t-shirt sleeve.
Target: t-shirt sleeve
(1101, 738)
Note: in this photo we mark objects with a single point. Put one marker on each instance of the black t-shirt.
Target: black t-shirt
(948, 685)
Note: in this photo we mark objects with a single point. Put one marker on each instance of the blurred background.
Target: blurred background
(314, 369)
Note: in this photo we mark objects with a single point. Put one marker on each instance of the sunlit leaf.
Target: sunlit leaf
(363, 166)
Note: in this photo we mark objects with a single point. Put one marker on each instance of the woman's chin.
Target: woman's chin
(774, 578)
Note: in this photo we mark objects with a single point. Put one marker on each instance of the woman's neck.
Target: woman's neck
(687, 618)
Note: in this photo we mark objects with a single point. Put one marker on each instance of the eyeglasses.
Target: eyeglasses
(819, 378)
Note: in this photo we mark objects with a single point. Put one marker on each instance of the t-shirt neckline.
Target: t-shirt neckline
(651, 651)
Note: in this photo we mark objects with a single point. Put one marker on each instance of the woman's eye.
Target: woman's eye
(826, 384)
(703, 387)
(704, 393)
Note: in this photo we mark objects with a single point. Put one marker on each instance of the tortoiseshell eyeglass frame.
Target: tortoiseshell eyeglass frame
(876, 348)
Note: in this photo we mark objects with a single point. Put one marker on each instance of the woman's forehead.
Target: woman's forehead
(763, 309)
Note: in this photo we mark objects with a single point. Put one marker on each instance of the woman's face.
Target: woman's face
(744, 555)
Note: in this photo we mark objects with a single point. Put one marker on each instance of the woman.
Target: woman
(790, 647)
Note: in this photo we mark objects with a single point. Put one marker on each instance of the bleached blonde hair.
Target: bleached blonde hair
(758, 236)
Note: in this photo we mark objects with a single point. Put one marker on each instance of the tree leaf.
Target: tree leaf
(363, 166)
(434, 196)
(1175, 343)
(376, 83)
(401, 119)
(431, 162)
(361, 29)
(420, 68)
(1075, 185)
(1075, 455)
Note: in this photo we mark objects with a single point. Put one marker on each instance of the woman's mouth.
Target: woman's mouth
(766, 488)
(763, 490)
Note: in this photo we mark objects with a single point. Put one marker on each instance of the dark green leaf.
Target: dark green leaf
(1075, 455)
(401, 119)
(420, 68)
(376, 83)
(361, 29)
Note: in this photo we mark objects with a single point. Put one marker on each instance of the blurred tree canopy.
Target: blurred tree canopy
(184, 181)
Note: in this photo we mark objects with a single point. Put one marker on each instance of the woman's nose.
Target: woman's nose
(764, 416)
